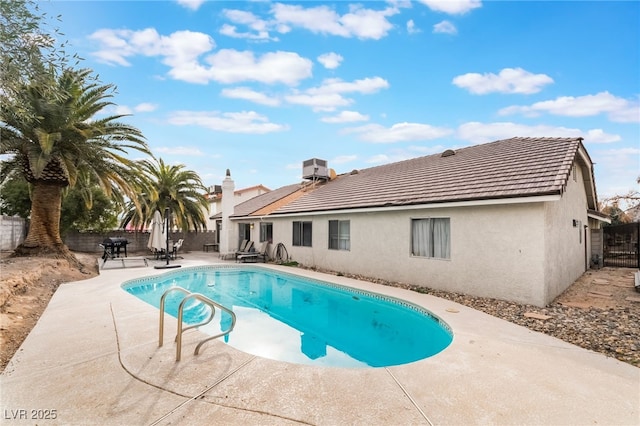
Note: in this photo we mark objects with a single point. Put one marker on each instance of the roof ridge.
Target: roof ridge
(507, 168)
(467, 148)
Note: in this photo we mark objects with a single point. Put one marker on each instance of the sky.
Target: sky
(258, 87)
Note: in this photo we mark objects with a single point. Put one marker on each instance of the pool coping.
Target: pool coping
(106, 368)
(421, 310)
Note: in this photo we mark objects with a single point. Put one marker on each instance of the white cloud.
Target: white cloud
(319, 101)
(177, 48)
(114, 46)
(477, 132)
(399, 132)
(330, 60)
(181, 52)
(191, 4)
(329, 95)
(618, 109)
(411, 27)
(232, 122)
(599, 136)
(245, 18)
(452, 7)
(180, 150)
(346, 117)
(122, 110)
(343, 159)
(232, 66)
(510, 80)
(250, 95)
(145, 107)
(445, 27)
(232, 31)
(621, 165)
(364, 86)
(259, 28)
(359, 22)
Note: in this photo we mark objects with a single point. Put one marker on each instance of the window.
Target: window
(244, 232)
(431, 238)
(339, 235)
(302, 234)
(266, 232)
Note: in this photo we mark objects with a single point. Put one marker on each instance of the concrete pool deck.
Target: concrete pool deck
(93, 358)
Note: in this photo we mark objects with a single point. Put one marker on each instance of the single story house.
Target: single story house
(511, 219)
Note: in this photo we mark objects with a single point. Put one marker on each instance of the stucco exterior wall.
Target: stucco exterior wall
(496, 250)
(566, 245)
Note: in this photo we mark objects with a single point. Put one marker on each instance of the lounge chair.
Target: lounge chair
(243, 245)
(247, 249)
(262, 255)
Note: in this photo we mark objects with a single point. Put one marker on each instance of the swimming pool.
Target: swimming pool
(290, 318)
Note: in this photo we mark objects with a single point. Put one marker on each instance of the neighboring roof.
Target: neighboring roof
(510, 168)
(261, 201)
(251, 188)
(216, 196)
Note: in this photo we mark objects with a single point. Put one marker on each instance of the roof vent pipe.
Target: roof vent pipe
(448, 153)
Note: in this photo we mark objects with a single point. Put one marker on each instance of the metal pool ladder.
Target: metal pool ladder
(181, 330)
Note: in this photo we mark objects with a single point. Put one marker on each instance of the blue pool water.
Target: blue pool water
(290, 318)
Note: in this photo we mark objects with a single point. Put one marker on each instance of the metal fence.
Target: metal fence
(621, 245)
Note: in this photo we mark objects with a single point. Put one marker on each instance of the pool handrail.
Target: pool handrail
(181, 330)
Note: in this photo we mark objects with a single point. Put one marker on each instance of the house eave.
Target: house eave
(450, 204)
(592, 214)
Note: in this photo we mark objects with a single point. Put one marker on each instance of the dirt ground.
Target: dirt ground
(27, 285)
(605, 288)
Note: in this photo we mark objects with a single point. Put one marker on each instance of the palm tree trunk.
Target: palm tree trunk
(44, 227)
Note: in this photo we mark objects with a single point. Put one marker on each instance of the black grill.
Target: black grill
(113, 246)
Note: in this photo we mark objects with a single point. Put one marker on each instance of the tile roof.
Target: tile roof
(517, 167)
(263, 201)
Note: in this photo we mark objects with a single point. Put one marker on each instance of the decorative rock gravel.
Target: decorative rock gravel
(614, 332)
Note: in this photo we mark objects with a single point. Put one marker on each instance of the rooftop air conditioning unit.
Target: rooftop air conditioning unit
(315, 169)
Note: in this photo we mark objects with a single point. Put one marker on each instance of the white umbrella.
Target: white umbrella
(157, 239)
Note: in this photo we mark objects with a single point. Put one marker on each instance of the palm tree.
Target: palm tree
(169, 186)
(58, 143)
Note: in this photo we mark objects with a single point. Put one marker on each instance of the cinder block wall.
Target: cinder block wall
(597, 247)
(13, 231)
(88, 242)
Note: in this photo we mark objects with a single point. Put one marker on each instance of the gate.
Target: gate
(621, 245)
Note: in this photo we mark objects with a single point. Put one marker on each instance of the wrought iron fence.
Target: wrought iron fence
(621, 245)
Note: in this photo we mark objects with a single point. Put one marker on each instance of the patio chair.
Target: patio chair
(243, 245)
(247, 249)
(176, 247)
(255, 256)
